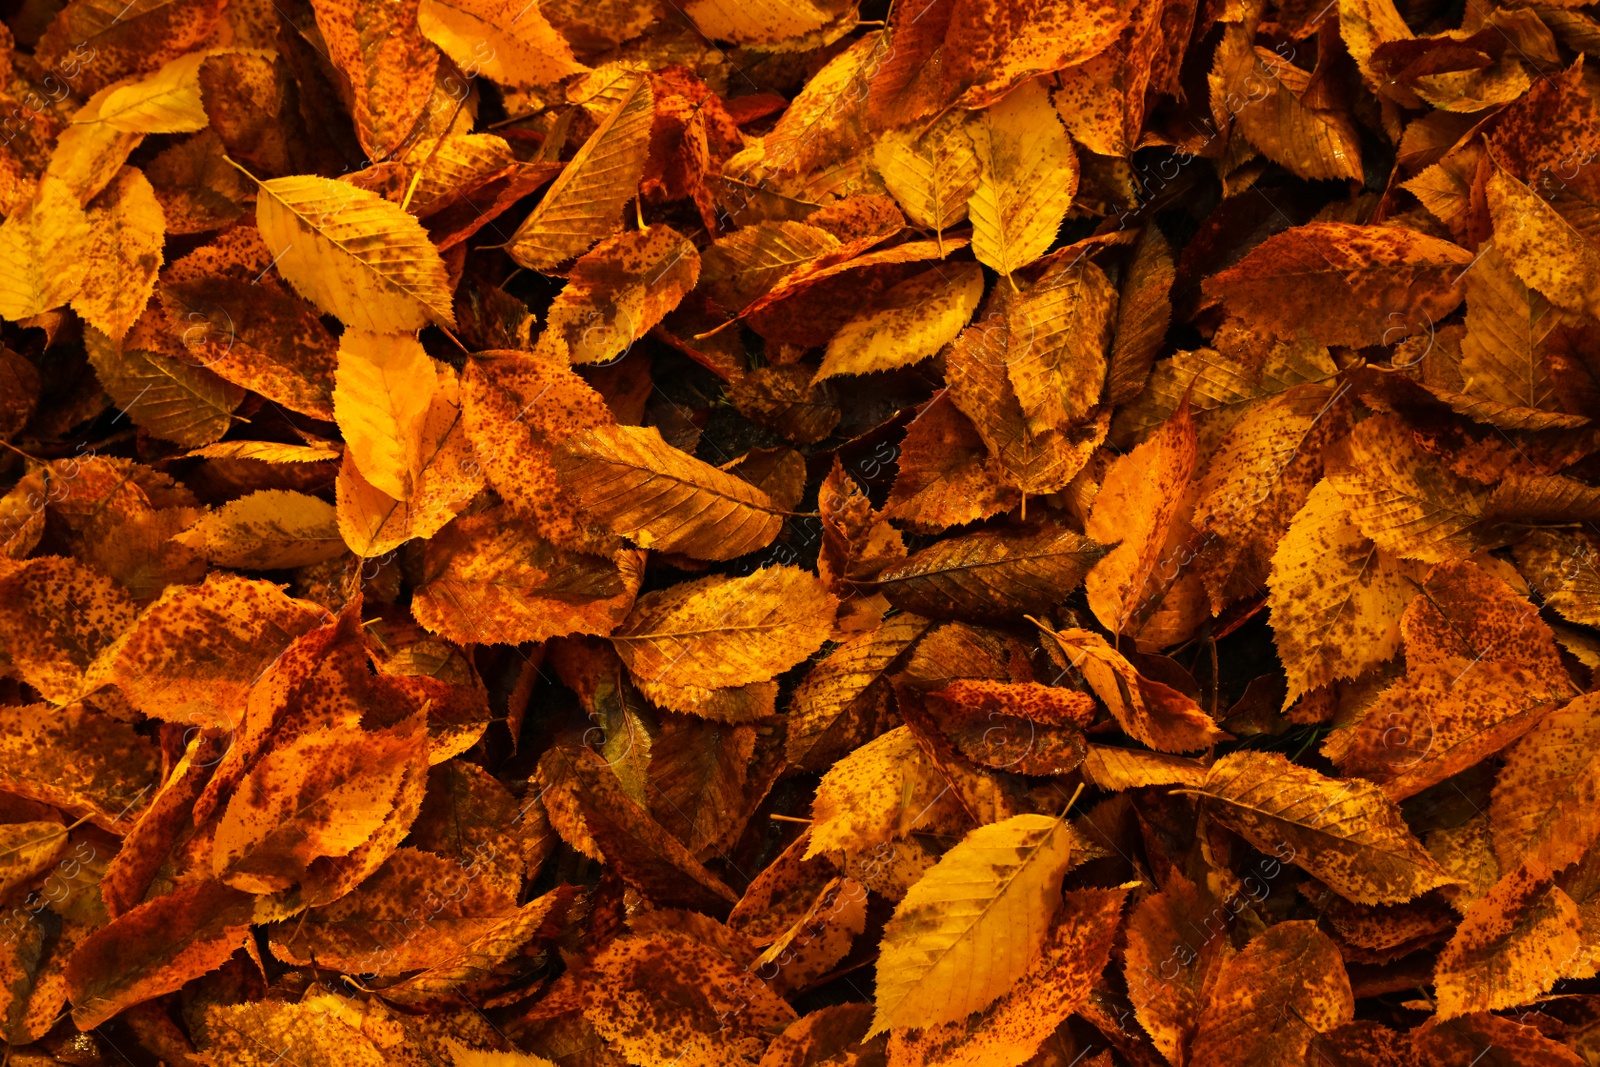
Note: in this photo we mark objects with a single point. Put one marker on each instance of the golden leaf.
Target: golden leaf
(167, 101)
(1027, 176)
(1150, 712)
(123, 255)
(1336, 598)
(931, 174)
(991, 573)
(157, 384)
(1266, 98)
(384, 386)
(1343, 284)
(1059, 980)
(642, 488)
(685, 634)
(1139, 500)
(909, 323)
(584, 204)
(273, 529)
(882, 791)
(487, 578)
(616, 294)
(1545, 250)
(1546, 790)
(43, 252)
(757, 22)
(972, 925)
(57, 615)
(389, 70)
(1512, 945)
(1346, 833)
(507, 42)
(841, 702)
(353, 254)
(1401, 497)
(668, 998)
(156, 948)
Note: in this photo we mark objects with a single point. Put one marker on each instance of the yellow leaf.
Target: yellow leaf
(1346, 833)
(354, 254)
(1001, 573)
(1116, 769)
(58, 614)
(518, 409)
(756, 22)
(584, 204)
(826, 121)
(167, 101)
(971, 926)
(662, 498)
(225, 307)
(461, 1056)
(1503, 355)
(721, 631)
(1511, 946)
(507, 41)
(667, 998)
(274, 529)
(1027, 176)
(268, 452)
(909, 323)
(1343, 284)
(1219, 383)
(1255, 482)
(383, 389)
(321, 794)
(1481, 669)
(1058, 330)
(1057, 983)
(28, 849)
(1545, 796)
(194, 655)
(81, 761)
(444, 474)
(156, 948)
(124, 255)
(159, 387)
(1336, 598)
(747, 263)
(931, 176)
(390, 69)
(43, 248)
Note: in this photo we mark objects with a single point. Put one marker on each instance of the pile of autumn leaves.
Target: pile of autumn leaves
(1092, 650)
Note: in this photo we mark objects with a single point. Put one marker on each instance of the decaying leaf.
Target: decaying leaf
(799, 533)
